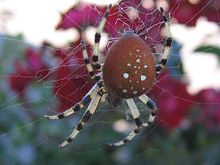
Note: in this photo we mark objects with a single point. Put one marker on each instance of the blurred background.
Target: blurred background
(42, 72)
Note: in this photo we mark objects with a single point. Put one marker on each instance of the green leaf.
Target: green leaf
(209, 49)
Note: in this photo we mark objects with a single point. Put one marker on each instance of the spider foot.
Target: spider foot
(64, 144)
(126, 139)
(115, 144)
(52, 117)
(57, 116)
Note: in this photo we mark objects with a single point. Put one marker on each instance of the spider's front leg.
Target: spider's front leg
(162, 63)
(89, 112)
(99, 30)
(89, 66)
(136, 116)
(95, 55)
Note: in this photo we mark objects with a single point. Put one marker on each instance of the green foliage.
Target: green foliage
(209, 49)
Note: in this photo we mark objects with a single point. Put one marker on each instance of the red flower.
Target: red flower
(119, 20)
(24, 74)
(188, 13)
(80, 16)
(172, 99)
(20, 79)
(36, 63)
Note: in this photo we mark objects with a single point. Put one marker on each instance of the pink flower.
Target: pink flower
(25, 73)
(72, 81)
(188, 13)
(209, 108)
(36, 63)
(123, 17)
(20, 78)
(80, 16)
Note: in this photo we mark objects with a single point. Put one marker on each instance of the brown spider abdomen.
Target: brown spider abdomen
(129, 68)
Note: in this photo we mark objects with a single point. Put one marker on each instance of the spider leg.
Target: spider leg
(144, 98)
(162, 63)
(89, 66)
(86, 100)
(136, 116)
(96, 65)
(89, 112)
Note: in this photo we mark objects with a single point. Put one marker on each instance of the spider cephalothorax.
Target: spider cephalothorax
(128, 72)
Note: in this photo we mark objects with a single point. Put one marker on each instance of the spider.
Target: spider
(128, 72)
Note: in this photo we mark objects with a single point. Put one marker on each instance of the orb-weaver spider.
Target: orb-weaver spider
(128, 72)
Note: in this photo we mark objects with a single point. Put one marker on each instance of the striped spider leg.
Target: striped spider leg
(146, 100)
(168, 43)
(87, 115)
(89, 67)
(99, 30)
(136, 116)
(95, 63)
(80, 105)
(94, 95)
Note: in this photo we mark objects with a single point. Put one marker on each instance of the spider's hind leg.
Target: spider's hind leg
(145, 99)
(86, 100)
(136, 116)
(87, 115)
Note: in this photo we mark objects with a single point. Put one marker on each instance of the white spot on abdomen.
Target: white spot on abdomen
(143, 77)
(138, 60)
(135, 92)
(124, 90)
(145, 66)
(125, 75)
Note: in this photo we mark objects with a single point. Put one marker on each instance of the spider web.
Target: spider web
(26, 137)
